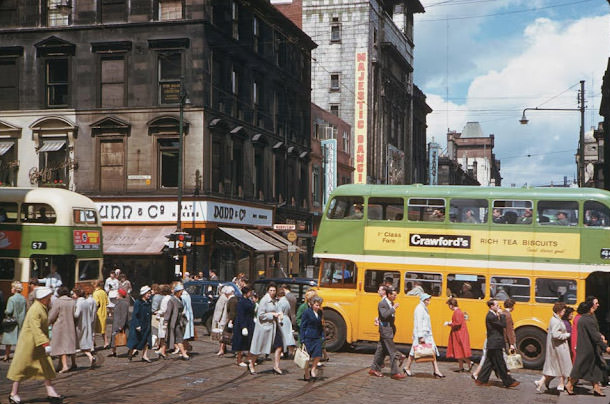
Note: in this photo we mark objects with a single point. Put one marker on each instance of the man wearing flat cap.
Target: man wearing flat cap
(31, 360)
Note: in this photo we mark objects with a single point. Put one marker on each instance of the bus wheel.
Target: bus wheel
(335, 331)
(531, 342)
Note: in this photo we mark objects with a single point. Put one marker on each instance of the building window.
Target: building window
(334, 81)
(170, 10)
(235, 20)
(53, 161)
(335, 33)
(234, 82)
(334, 109)
(112, 164)
(9, 164)
(9, 83)
(255, 93)
(169, 154)
(256, 34)
(112, 82)
(315, 185)
(346, 142)
(8, 13)
(58, 13)
(57, 82)
(113, 11)
(259, 166)
(237, 171)
(170, 71)
(217, 163)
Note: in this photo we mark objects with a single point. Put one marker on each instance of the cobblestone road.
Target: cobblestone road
(209, 379)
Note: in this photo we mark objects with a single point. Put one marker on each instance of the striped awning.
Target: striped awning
(52, 145)
(5, 146)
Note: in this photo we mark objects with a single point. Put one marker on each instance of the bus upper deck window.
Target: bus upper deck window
(426, 210)
(346, 207)
(558, 213)
(385, 209)
(512, 212)
(37, 213)
(84, 216)
(468, 210)
(8, 212)
(596, 214)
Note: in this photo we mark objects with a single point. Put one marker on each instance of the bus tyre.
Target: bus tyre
(531, 343)
(335, 331)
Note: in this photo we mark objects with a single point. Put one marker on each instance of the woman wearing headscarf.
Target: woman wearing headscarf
(84, 318)
(557, 362)
(267, 338)
(140, 335)
(219, 312)
(120, 318)
(243, 328)
(459, 339)
(174, 318)
(422, 334)
(61, 317)
(15, 307)
(589, 364)
(31, 360)
(312, 335)
(283, 306)
(101, 301)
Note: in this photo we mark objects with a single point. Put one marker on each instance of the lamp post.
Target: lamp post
(581, 147)
(184, 100)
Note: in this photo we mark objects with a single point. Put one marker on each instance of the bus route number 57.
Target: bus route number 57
(42, 245)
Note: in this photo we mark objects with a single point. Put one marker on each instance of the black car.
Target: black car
(204, 295)
(298, 286)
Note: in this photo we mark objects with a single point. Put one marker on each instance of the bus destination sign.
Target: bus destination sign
(86, 240)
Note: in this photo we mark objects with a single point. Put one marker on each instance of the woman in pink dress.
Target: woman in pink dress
(459, 339)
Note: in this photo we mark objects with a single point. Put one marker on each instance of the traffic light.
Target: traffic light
(178, 244)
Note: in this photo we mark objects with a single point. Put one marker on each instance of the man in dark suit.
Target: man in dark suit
(386, 310)
(495, 323)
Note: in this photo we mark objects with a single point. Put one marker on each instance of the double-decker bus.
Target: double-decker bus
(41, 228)
(534, 245)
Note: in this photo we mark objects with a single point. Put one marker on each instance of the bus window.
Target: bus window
(338, 274)
(427, 210)
(84, 216)
(468, 210)
(466, 286)
(8, 212)
(512, 212)
(37, 213)
(346, 207)
(504, 287)
(7, 269)
(558, 213)
(385, 209)
(374, 278)
(596, 214)
(555, 290)
(417, 283)
(88, 269)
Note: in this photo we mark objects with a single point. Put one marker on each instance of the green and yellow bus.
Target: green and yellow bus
(534, 245)
(45, 227)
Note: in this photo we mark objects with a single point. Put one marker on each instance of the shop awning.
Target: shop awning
(250, 239)
(135, 240)
(4, 147)
(52, 145)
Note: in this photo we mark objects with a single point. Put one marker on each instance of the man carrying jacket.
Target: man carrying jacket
(386, 310)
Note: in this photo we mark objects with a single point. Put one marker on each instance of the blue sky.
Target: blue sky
(495, 57)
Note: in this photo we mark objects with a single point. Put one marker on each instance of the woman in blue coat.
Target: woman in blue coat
(312, 335)
(140, 336)
(243, 329)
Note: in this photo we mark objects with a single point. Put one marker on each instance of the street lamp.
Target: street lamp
(184, 100)
(581, 148)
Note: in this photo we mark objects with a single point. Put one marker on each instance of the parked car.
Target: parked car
(204, 295)
(298, 286)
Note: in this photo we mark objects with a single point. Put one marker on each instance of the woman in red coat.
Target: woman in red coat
(459, 340)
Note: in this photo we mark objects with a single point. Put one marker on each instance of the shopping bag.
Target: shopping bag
(514, 361)
(424, 353)
(120, 339)
(301, 357)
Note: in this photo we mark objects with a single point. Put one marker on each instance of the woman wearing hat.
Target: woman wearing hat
(31, 360)
(422, 334)
(140, 336)
(175, 320)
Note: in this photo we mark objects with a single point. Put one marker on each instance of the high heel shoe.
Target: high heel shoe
(251, 368)
(13, 400)
(470, 366)
(146, 360)
(162, 356)
(55, 399)
(569, 388)
(598, 393)
(438, 375)
(407, 372)
(185, 357)
(277, 371)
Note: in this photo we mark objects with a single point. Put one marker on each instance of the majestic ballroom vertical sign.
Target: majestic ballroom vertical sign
(360, 117)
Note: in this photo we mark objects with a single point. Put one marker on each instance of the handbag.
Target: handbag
(514, 361)
(120, 338)
(8, 323)
(301, 357)
(424, 353)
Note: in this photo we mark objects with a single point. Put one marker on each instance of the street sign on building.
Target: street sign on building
(284, 226)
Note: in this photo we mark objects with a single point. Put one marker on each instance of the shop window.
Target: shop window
(113, 11)
(170, 71)
(7, 269)
(555, 290)
(505, 287)
(468, 211)
(88, 270)
(9, 164)
(53, 162)
(558, 213)
(9, 81)
(168, 162)
(426, 210)
(57, 83)
(417, 283)
(346, 207)
(37, 213)
(58, 13)
(596, 214)
(112, 82)
(8, 212)
(374, 278)
(385, 209)
(512, 212)
(466, 286)
(334, 81)
(338, 274)
(170, 10)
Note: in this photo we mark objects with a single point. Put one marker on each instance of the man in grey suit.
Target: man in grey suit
(386, 310)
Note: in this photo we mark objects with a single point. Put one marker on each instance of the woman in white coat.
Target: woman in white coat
(557, 362)
(220, 320)
(283, 305)
(83, 319)
(422, 334)
(267, 336)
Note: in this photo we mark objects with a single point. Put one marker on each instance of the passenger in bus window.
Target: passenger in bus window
(497, 216)
(53, 280)
(466, 291)
(356, 212)
(438, 215)
(526, 218)
(501, 294)
(417, 289)
(561, 219)
(469, 216)
(593, 220)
